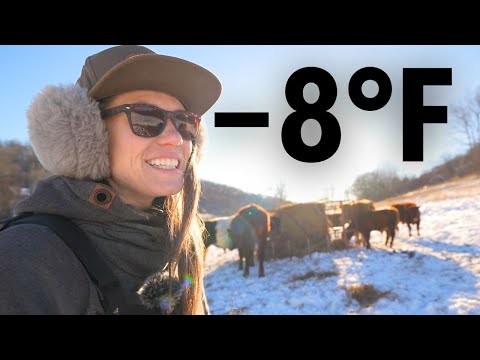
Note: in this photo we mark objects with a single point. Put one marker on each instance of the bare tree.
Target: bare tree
(377, 185)
(19, 168)
(280, 194)
(466, 115)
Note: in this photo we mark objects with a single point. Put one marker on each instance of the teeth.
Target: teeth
(164, 163)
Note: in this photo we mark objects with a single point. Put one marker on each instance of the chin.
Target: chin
(168, 190)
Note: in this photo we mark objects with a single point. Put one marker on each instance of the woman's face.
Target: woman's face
(145, 168)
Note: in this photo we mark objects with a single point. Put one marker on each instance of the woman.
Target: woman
(122, 145)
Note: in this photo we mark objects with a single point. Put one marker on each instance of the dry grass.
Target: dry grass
(312, 274)
(241, 311)
(452, 189)
(366, 294)
(237, 311)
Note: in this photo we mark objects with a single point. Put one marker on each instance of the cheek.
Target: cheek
(122, 146)
(114, 141)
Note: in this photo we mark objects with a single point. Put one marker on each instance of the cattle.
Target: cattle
(409, 214)
(249, 229)
(352, 209)
(381, 220)
(216, 233)
(351, 213)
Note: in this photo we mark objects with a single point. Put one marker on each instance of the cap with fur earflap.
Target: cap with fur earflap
(66, 130)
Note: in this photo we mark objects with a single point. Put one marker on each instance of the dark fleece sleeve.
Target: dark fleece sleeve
(39, 274)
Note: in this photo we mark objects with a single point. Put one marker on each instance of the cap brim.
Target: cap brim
(196, 87)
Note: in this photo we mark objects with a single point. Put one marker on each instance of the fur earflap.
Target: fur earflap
(67, 133)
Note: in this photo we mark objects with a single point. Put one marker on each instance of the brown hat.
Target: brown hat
(130, 67)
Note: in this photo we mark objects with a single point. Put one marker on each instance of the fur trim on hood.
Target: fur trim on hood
(68, 135)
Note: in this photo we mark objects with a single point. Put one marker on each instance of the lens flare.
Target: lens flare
(167, 303)
(188, 280)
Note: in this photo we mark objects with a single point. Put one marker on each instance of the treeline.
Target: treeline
(381, 184)
(19, 168)
(19, 164)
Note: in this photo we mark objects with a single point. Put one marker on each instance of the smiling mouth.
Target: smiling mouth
(166, 164)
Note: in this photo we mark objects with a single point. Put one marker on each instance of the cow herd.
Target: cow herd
(360, 218)
(299, 229)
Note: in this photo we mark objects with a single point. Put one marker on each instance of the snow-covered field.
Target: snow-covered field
(435, 273)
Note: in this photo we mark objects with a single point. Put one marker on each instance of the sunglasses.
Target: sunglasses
(149, 121)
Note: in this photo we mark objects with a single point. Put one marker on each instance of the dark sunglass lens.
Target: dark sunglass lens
(186, 124)
(147, 121)
(145, 130)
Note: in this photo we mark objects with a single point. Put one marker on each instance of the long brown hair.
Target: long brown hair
(187, 254)
(186, 257)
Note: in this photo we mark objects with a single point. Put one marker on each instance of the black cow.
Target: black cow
(216, 233)
(249, 229)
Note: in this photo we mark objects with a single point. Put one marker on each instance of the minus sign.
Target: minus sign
(241, 119)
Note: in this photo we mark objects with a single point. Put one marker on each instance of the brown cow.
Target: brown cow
(409, 214)
(351, 212)
(381, 220)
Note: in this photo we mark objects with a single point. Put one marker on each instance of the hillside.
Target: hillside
(455, 188)
(223, 200)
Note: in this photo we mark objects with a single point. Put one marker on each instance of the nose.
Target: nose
(170, 135)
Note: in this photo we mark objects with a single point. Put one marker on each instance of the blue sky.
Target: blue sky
(253, 80)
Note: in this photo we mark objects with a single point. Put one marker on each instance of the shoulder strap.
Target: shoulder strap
(4, 223)
(101, 275)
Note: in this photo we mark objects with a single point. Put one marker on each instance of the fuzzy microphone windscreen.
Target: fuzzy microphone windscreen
(154, 293)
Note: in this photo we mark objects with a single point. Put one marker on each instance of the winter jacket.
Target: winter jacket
(39, 274)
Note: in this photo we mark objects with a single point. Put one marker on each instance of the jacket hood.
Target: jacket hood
(68, 135)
